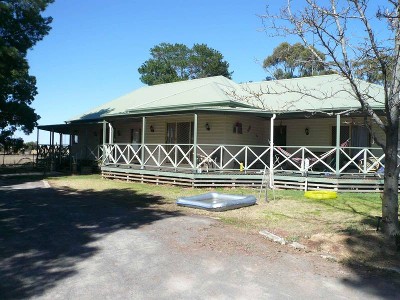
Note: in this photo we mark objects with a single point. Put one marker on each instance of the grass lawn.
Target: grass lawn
(344, 227)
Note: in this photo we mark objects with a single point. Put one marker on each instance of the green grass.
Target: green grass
(344, 226)
(287, 210)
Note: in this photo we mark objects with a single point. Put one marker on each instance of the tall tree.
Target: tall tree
(348, 32)
(206, 62)
(369, 69)
(176, 62)
(289, 61)
(21, 27)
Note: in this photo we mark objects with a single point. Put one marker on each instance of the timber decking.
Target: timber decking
(253, 179)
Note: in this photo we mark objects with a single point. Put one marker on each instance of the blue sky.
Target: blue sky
(95, 47)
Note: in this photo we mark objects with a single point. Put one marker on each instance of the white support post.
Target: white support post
(143, 141)
(86, 143)
(104, 141)
(104, 132)
(110, 134)
(271, 153)
(245, 159)
(195, 143)
(337, 145)
(37, 145)
(52, 150)
(60, 149)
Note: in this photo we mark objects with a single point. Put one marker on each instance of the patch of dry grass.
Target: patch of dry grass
(344, 227)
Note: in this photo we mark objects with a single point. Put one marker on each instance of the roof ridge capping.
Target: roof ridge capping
(334, 77)
(209, 78)
(292, 79)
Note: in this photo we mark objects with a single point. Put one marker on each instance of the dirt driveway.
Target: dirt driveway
(70, 245)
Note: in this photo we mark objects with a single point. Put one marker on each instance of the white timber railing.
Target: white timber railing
(245, 158)
(94, 153)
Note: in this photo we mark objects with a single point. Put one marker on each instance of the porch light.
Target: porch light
(307, 131)
(208, 127)
(151, 128)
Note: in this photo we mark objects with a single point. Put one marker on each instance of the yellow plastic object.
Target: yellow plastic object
(320, 195)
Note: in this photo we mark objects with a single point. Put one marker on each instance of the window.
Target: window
(74, 137)
(136, 136)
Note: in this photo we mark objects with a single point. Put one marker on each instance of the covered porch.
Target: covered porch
(154, 149)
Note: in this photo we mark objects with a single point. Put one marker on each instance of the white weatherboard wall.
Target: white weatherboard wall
(122, 129)
(220, 133)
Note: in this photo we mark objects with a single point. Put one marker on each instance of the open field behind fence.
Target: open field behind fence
(17, 159)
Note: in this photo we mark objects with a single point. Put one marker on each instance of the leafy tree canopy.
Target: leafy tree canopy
(177, 62)
(11, 145)
(21, 27)
(29, 146)
(370, 69)
(290, 61)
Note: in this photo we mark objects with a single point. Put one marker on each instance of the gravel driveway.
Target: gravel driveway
(62, 244)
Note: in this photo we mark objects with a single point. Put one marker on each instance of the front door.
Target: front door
(136, 140)
(280, 135)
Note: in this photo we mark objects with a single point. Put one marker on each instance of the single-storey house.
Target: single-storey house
(299, 133)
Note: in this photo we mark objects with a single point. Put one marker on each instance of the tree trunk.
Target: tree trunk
(390, 199)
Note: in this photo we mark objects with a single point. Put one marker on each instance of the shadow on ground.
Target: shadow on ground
(44, 233)
(370, 248)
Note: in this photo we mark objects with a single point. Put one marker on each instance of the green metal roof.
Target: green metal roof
(169, 97)
(306, 94)
(317, 93)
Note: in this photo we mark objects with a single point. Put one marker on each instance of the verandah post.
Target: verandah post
(195, 143)
(111, 134)
(143, 136)
(86, 143)
(104, 140)
(37, 146)
(52, 150)
(71, 158)
(271, 153)
(337, 145)
(60, 149)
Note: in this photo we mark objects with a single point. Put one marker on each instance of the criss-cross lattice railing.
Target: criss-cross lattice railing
(246, 157)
